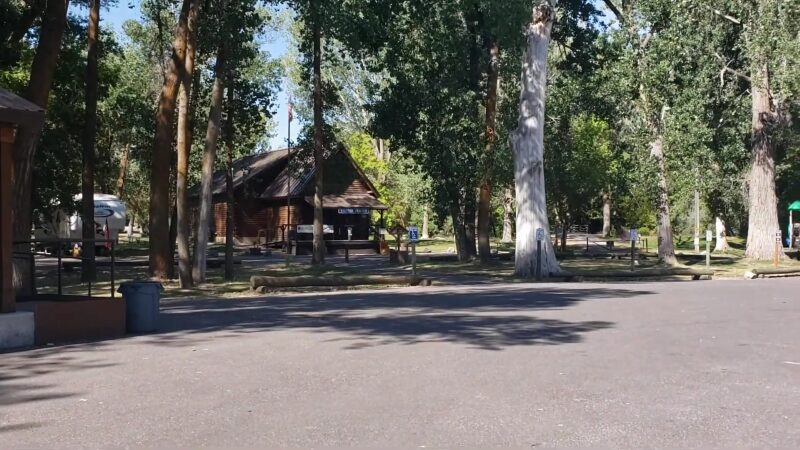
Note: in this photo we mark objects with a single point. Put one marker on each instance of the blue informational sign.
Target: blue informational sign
(413, 234)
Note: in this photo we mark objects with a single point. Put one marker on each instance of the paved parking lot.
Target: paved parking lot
(713, 363)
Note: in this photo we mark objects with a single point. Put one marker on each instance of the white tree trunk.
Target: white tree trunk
(666, 247)
(527, 142)
(425, 234)
(763, 215)
(508, 215)
(722, 238)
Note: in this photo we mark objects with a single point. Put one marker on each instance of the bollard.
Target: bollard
(633, 254)
(413, 257)
(538, 260)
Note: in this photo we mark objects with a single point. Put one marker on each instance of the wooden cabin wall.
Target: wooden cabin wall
(252, 216)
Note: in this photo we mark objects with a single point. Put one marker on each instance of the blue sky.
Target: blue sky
(277, 46)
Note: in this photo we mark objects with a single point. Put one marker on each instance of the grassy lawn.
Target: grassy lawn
(730, 265)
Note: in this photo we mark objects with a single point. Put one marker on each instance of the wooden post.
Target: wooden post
(539, 259)
(633, 254)
(776, 254)
(7, 300)
(414, 257)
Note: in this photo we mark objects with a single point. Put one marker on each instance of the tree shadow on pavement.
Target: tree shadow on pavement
(484, 318)
(19, 373)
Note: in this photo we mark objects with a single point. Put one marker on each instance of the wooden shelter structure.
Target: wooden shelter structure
(273, 203)
(15, 111)
(794, 228)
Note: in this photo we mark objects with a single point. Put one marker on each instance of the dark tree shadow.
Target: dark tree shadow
(478, 317)
(19, 373)
(481, 318)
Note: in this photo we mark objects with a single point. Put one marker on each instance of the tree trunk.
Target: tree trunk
(207, 174)
(508, 215)
(606, 214)
(527, 142)
(425, 234)
(485, 195)
(722, 237)
(666, 248)
(160, 257)
(564, 230)
(763, 216)
(173, 234)
(184, 149)
(38, 92)
(460, 233)
(230, 199)
(318, 256)
(470, 220)
(89, 139)
(123, 171)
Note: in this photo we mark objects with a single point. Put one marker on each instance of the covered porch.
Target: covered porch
(349, 224)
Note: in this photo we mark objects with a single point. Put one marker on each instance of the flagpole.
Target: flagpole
(289, 185)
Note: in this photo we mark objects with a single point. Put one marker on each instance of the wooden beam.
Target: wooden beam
(7, 300)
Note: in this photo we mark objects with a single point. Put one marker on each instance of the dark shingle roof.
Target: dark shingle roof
(244, 169)
(17, 110)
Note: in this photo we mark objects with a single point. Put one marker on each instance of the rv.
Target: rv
(109, 220)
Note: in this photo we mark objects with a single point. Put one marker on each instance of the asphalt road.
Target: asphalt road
(691, 364)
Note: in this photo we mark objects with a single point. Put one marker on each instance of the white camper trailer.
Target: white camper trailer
(109, 220)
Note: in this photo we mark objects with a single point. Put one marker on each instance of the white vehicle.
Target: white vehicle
(109, 220)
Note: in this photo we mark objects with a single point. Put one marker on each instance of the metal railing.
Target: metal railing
(59, 245)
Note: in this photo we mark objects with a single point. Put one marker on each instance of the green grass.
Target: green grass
(731, 265)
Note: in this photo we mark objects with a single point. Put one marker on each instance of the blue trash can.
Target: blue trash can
(142, 305)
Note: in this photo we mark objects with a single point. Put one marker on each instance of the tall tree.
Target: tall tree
(771, 46)
(318, 256)
(89, 141)
(184, 149)
(230, 199)
(528, 145)
(641, 22)
(485, 191)
(209, 157)
(160, 257)
(37, 91)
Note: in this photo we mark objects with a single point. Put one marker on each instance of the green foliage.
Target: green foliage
(361, 148)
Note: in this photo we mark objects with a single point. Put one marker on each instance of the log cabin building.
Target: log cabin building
(274, 202)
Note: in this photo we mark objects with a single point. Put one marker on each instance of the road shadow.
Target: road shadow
(488, 319)
(20, 373)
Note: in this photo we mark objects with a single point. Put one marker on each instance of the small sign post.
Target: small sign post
(709, 238)
(347, 246)
(413, 237)
(777, 255)
(634, 237)
(539, 239)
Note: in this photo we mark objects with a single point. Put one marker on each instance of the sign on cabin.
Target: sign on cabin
(354, 211)
(309, 229)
